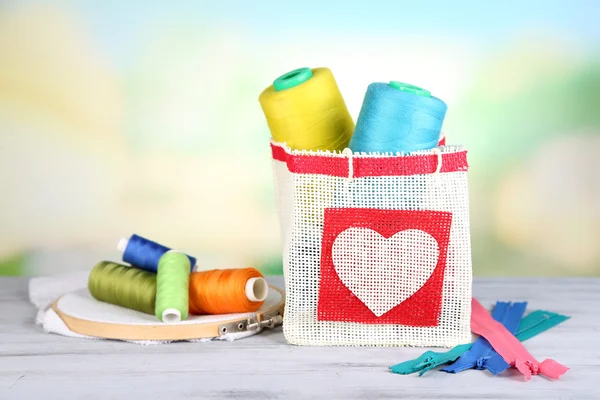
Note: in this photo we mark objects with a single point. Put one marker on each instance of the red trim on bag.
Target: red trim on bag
(371, 166)
(337, 303)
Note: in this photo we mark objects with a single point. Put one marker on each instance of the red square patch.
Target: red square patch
(383, 266)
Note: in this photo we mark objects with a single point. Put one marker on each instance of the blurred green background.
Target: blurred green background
(121, 117)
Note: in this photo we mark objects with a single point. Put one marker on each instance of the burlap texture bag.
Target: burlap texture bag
(376, 248)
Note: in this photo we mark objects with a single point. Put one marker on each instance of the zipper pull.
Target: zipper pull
(428, 361)
(509, 347)
(445, 357)
(411, 366)
(482, 352)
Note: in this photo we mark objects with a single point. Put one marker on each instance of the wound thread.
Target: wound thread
(226, 291)
(305, 109)
(123, 286)
(172, 287)
(398, 118)
(144, 253)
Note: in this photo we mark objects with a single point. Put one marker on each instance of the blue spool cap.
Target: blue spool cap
(144, 253)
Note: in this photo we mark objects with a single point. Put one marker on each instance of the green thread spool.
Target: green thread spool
(172, 287)
(123, 286)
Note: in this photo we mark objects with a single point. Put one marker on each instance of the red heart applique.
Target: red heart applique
(383, 266)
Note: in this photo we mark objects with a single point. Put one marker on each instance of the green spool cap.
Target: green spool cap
(292, 78)
(405, 87)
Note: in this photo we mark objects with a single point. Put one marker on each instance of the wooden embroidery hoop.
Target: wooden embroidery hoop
(268, 316)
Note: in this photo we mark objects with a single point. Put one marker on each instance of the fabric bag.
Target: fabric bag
(376, 247)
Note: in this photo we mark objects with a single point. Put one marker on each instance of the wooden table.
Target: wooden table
(35, 365)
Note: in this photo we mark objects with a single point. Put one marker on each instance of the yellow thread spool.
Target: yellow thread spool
(311, 115)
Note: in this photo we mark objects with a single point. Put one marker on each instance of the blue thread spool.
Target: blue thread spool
(398, 118)
(144, 253)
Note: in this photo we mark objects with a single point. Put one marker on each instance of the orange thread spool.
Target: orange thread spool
(226, 291)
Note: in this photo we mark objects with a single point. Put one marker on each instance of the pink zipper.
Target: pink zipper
(509, 347)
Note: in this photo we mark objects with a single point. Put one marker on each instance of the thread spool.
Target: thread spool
(123, 286)
(227, 291)
(172, 290)
(144, 253)
(305, 109)
(398, 118)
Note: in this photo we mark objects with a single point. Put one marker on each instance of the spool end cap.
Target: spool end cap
(292, 79)
(171, 315)
(405, 87)
(122, 245)
(256, 289)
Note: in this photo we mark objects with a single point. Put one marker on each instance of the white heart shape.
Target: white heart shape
(382, 272)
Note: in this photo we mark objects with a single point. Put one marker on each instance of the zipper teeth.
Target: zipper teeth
(495, 334)
(508, 353)
(504, 310)
(541, 319)
(512, 316)
(539, 323)
(544, 321)
(512, 311)
(543, 316)
(506, 313)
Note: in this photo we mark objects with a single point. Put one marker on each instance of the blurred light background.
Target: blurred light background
(120, 117)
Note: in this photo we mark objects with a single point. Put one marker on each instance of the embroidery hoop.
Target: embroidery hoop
(100, 323)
